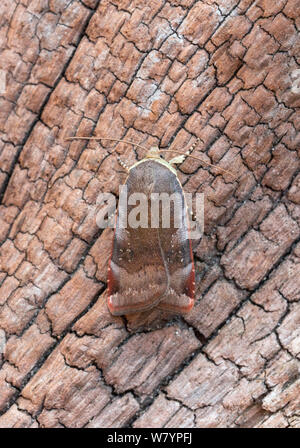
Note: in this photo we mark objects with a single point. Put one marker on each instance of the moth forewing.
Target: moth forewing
(152, 265)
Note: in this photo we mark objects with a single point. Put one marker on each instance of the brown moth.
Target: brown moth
(152, 266)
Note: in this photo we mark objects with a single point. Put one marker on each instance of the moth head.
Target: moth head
(153, 153)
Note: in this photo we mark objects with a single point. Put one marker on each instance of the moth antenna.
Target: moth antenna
(197, 158)
(161, 150)
(107, 138)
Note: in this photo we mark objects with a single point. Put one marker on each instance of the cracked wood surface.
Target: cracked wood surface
(156, 72)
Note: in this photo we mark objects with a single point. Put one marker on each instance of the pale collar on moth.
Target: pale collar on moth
(154, 154)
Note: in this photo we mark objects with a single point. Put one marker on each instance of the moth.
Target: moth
(152, 266)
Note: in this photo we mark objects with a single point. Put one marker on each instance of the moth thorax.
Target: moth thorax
(153, 152)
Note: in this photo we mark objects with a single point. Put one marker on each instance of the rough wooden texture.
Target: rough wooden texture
(156, 72)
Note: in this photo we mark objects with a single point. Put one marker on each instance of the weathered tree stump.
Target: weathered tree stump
(156, 72)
